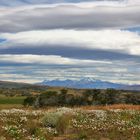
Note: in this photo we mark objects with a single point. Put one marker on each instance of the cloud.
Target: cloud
(19, 78)
(35, 68)
(117, 71)
(48, 60)
(89, 15)
(110, 40)
(71, 52)
(132, 2)
(70, 39)
(28, 2)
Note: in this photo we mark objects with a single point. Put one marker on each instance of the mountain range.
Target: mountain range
(88, 83)
(84, 83)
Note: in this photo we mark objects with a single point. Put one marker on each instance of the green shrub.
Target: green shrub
(82, 136)
(63, 123)
(51, 119)
(29, 101)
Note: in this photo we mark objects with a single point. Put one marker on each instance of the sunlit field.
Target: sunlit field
(11, 100)
(84, 123)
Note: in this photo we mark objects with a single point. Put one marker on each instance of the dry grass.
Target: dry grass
(10, 106)
(108, 107)
(88, 123)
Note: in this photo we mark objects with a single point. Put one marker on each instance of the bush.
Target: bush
(51, 119)
(63, 123)
(49, 98)
(88, 97)
(108, 97)
(133, 99)
(29, 101)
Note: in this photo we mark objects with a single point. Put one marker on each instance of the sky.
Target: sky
(70, 39)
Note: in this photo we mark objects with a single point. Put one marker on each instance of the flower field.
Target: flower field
(69, 124)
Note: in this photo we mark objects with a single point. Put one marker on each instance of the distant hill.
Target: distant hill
(84, 83)
(15, 85)
(88, 83)
(132, 87)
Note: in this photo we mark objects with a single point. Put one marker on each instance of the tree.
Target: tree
(111, 96)
(133, 99)
(29, 101)
(64, 91)
(62, 97)
(49, 98)
(92, 96)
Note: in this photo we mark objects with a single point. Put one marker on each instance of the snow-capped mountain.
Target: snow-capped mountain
(87, 83)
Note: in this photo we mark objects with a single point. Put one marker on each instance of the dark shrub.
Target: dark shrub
(29, 101)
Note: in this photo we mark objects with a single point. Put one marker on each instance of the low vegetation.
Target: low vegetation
(11, 100)
(88, 97)
(68, 114)
(69, 124)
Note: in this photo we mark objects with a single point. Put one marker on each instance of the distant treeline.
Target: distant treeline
(21, 91)
(88, 97)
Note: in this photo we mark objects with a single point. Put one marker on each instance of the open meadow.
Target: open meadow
(37, 113)
(84, 123)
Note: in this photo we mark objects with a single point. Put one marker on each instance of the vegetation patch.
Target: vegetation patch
(70, 124)
(12, 100)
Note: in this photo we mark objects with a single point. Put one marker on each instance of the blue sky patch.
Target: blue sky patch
(2, 40)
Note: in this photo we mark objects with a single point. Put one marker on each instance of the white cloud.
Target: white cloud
(18, 78)
(48, 60)
(87, 15)
(132, 2)
(36, 73)
(114, 40)
(85, 25)
(82, 2)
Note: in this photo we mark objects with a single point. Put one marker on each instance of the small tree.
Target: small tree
(49, 98)
(133, 99)
(111, 96)
(64, 91)
(29, 101)
(62, 97)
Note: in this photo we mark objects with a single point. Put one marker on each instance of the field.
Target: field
(68, 114)
(11, 100)
(70, 124)
(112, 122)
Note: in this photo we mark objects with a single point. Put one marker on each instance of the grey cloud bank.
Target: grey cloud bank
(67, 39)
(27, 2)
(68, 17)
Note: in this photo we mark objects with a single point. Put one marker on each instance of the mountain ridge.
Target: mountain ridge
(88, 83)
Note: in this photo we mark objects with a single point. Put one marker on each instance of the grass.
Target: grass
(109, 107)
(11, 100)
(70, 124)
(11, 106)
